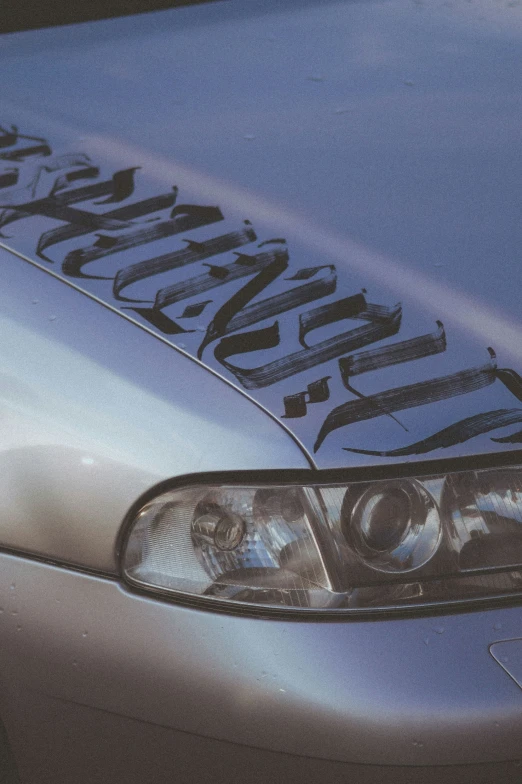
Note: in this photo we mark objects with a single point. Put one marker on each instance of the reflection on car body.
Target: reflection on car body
(261, 514)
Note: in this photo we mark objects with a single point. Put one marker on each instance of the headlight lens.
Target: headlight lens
(360, 546)
(393, 526)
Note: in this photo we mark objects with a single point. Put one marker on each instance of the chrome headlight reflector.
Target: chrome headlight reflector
(393, 526)
(357, 546)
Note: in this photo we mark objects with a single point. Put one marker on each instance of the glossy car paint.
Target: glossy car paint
(86, 431)
(394, 693)
(376, 140)
(381, 138)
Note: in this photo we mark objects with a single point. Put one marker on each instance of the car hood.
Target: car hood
(320, 202)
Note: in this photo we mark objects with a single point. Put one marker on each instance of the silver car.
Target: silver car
(260, 395)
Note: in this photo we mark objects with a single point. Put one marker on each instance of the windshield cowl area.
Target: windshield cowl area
(20, 15)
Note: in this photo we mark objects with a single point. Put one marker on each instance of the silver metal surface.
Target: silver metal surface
(377, 143)
(377, 138)
(94, 412)
(508, 653)
(418, 691)
(64, 735)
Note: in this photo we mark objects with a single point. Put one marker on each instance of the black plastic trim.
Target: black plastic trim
(18, 15)
(59, 564)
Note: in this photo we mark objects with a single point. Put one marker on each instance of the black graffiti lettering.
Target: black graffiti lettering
(221, 322)
(58, 206)
(280, 303)
(274, 240)
(457, 433)
(195, 251)
(8, 178)
(105, 244)
(10, 138)
(21, 153)
(513, 438)
(410, 396)
(64, 180)
(79, 163)
(14, 200)
(467, 428)
(512, 381)
(383, 410)
(88, 220)
(123, 214)
(17, 196)
(374, 312)
(159, 320)
(217, 272)
(332, 312)
(104, 241)
(305, 273)
(397, 353)
(246, 343)
(183, 218)
(218, 276)
(244, 265)
(331, 348)
(316, 392)
(25, 162)
(192, 311)
(123, 187)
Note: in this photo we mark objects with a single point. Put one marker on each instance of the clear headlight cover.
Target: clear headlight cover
(360, 546)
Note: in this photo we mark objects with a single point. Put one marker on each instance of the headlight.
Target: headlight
(358, 546)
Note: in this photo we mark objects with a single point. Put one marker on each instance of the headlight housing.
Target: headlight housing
(356, 546)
